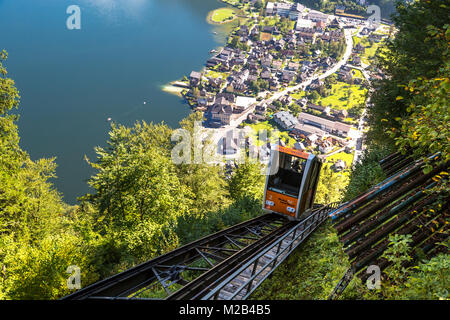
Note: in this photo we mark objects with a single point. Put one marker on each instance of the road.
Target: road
(335, 68)
(219, 133)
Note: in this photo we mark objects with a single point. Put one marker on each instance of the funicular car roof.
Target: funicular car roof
(293, 152)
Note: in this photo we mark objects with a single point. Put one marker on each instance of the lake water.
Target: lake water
(72, 81)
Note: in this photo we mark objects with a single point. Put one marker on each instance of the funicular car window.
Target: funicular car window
(288, 178)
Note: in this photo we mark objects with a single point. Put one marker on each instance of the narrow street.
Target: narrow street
(221, 132)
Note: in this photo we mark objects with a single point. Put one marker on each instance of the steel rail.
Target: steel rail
(380, 188)
(264, 263)
(140, 276)
(208, 280)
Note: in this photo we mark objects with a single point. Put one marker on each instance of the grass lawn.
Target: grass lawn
(370, 49)
(267, 125)
(269, 21)
(298, 95)
(340, 99)
(370, 53)
(222, 15)
(216, 74)
(357, 74)
(383, 29)
(347, 157)
(233, 2)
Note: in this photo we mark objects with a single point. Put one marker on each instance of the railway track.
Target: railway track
(229, 264)
(402, 204)
(160, 277)
(239, 284)
(232, 263)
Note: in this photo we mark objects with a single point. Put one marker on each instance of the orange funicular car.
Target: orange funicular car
(291, 182)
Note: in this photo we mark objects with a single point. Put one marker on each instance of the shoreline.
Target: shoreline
(211, 21)
(171, 87)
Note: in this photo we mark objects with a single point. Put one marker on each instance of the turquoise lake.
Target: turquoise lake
(72, 81)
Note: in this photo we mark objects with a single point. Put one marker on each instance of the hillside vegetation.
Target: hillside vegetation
(144, 205)
(410, 112)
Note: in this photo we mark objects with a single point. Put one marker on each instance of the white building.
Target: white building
(317, 16)
(303, 23)
(287, 10)
(285, 120)
(244, 102)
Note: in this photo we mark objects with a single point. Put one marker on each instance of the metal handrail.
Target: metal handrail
(314, 220)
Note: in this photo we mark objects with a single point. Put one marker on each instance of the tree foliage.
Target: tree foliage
(418, 51)
(37, 243)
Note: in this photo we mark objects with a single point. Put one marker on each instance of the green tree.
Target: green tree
(247, 181)
(414, 53)
(429, 280)
(331, 186)
(37, 241)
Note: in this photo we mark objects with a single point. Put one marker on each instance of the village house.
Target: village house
(252, 77)
(301, 77)
(215, 83)
(272, 107)
(317, 16)
(356, 60)
(339, 114)
(288, 76)
(339, 165)
(221, 112)
(267, 61)
(288, 54)
(254, 34)
(261, 109)
(306, 36)
(225, 66)
(243, 30)
(312, 138)
(302, 102)
(332, 127)
(277, 64)
(316, 107)
(306, 130)
(287, 10)
(320, 26)
(359, 48)
(254, 118)
(236, 87)
(274, 84)
(285, 120)
(226, 54)
(293, 66)
(327, 62)
(334, 23)
(266, 75)
(345, 75)
(286, 100)
(231, 98)
(325, 146)
(316, 84)
(270, 29)
(195, 78)
(303, 24)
